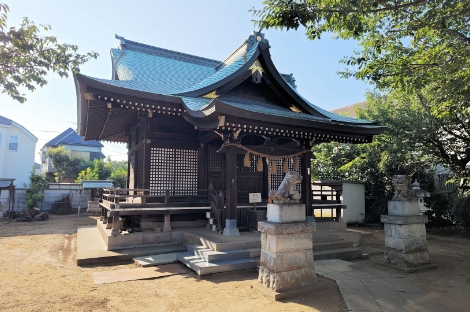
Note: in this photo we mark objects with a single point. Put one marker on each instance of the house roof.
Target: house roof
(201, 86)
(9, 122)
(71, 137)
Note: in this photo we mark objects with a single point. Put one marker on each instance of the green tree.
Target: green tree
(105, 170)
(35, 189)
(410, 45)
(64, 165)
(26, 56)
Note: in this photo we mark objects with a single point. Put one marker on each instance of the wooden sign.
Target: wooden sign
(254, 197)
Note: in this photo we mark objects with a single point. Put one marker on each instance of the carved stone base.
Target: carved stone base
(286, 261)
(405, 241)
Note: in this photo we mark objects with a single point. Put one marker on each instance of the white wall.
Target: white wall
(17, 164)
(353, 196)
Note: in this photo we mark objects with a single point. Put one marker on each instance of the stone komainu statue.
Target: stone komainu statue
(402, 186)
(286, 191)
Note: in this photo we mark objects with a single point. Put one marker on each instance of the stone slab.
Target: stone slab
(134, 274)
(286, 213)
(289, 242)
(405, 230)
(404, 219)
(403, 207)
(356, 296)
(154, 260)
(275, 228)
(406, 244)
(286, 261)
(407, 259)
(385, 295)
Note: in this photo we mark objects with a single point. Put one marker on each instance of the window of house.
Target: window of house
(13, 143)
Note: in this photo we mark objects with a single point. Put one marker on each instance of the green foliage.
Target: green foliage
(404, 44)
(461, 211)
(26, 56)
(105, 170)
(64, 165)
(35, 189)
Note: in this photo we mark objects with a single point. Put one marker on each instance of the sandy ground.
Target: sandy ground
(38, 273)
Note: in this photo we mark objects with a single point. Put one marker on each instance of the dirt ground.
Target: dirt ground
(38, 273)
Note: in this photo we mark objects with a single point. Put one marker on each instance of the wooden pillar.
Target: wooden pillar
(203, 171)
(231, 189)
(307, 183)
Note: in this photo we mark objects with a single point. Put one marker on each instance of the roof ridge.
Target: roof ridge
(70, 132)
(149, 49)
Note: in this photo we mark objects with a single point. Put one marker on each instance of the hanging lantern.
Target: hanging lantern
(259, 165)
(273, 167)
(285, 166)
(296, 163)
(246, 161)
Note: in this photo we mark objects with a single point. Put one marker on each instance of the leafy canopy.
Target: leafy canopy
(105, 170)
(26, 56)
(64, 165)
(411, 45)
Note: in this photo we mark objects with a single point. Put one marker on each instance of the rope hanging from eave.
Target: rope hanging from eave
(272, 157)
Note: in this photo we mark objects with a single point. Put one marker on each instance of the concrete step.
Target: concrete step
(342, 253)
(329, 245)
(154, 260)
(204, 260)
(202, 267)
(212, 256)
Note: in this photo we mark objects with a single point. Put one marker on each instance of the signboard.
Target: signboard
(254, 197)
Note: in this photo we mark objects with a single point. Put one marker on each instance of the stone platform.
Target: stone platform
(369, 289)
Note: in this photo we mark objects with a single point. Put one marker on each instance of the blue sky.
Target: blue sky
(208, 28)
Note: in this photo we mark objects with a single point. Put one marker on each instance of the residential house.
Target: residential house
(17, 146)
(74, 143)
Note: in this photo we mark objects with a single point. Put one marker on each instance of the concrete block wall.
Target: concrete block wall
(50, 196)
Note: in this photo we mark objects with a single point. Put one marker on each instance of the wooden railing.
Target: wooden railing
(156, 198)
(328, 197)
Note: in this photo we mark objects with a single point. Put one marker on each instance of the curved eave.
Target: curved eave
(224, 81)
(267, 63)
(217, 108)
(83, 82)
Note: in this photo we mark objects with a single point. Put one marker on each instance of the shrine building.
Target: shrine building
(203, 134)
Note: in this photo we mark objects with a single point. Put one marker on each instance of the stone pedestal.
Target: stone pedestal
(286, 264)
(405, 236)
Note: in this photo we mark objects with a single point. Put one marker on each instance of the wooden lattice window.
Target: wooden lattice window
(277, 177)
(216, 160)
(173, 169)
(241, 163)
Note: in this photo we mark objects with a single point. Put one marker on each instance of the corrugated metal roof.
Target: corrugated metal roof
(71, 137)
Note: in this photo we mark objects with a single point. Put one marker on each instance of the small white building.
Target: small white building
(17, 147)
(73, 142)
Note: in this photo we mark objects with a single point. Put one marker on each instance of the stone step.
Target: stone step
(330, 245)
(153, 260)
(254, 252)
(202, 267)
(212, 256)
(342, 253)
